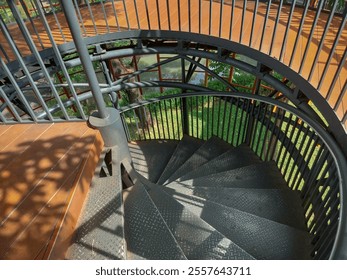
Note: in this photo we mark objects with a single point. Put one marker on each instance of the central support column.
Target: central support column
(106, 120)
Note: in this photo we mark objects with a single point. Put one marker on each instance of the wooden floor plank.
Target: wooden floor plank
(13, 133)
(22, 142)
(4, 128)
(35, 186)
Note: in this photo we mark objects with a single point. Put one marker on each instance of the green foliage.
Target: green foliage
(340, 6)
(216, 85)
(220, 68)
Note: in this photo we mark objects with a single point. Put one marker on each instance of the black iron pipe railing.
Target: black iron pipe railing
(309, 160)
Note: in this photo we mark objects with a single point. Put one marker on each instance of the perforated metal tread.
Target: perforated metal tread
(147, 235)
(260, 237)
(151, 157)
(100, 228)
(209, 150)
(282, 206)
(186, 147)
(238, 157)
(264, 175)
(198, 239)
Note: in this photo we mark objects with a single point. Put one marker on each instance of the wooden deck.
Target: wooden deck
(45, 171)
(190, 22)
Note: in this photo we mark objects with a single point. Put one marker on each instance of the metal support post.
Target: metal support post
(71, 18)
(106, 120)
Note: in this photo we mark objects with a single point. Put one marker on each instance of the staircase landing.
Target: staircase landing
(45, 171)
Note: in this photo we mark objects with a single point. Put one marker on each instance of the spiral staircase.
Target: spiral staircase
(253, 168)
(199, 199)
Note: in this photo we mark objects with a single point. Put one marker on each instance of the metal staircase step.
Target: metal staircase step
(100, 229)
(198, 239)
(282, 206)
(147, 235)
(186, 147)
(209, 150)
(151, 157)
(264, 175)
(260, 237)
(232, 159)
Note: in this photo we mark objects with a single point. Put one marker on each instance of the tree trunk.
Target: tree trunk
(134, 94)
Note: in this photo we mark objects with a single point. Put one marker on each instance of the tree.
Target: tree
(122, 66)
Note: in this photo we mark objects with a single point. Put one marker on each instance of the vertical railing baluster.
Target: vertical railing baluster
(189, 17)
(162, 119)
(333, 48)
(80, 18)
(126, 14)
(221, 18)
(309, 40)
(218, 115)
(282, 143)
(115, 14)
(235, 121)
(105, 16)
(172, 121)
(242, 124)
(152, 122)
(244, 8)
(208, 117)
(18, 90)
(290, 150)
(278, 130)
(316, 162)
(137, 125)
(298, 35)
(167, 120)
(287, 29)
(337, 74)
(304, 165)
(289, 142)
(261, 129)
(232, 19)
(158, 14)
(203, 117)
(322, 40)
(341, 96)
(279, 9)
(9, 104)
(265, 23)
(297, 157)
(200, 16)
(177, 120)
(266, 143)
(61, 62)
(224, 116)
(179, 14)
(92, 16)
(210, 18)
(147, 14)
(157, 120)
(22, 63)
(25, 8)
(197, 116)
(230, 118)
(191, 115)
(56, 20)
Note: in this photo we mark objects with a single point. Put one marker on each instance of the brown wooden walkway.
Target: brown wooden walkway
(190, 22)
(45, 171)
